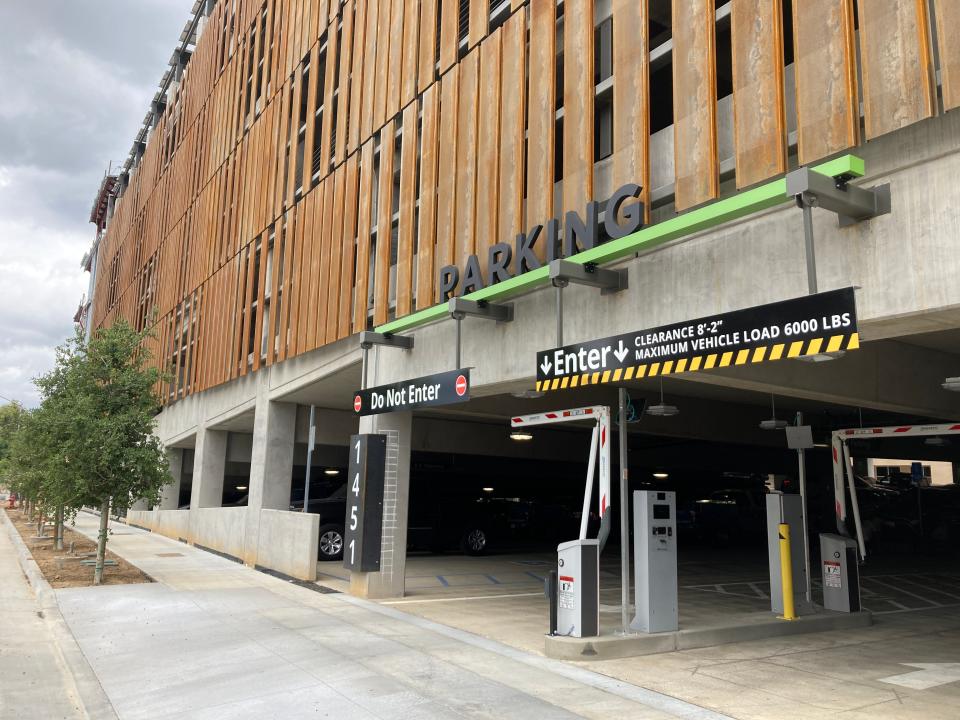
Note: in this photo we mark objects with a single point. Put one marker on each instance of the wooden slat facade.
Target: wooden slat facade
(242, 256)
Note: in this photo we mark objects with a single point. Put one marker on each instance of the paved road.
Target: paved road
(212, 639)
(34, 680)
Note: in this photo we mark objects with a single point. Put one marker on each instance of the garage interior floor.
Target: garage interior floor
(501, 596)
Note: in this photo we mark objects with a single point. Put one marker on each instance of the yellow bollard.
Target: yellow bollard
(786, 574)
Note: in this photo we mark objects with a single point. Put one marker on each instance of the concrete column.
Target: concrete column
(389, 581)
(271, 463)
(209, 460)
(170, 494)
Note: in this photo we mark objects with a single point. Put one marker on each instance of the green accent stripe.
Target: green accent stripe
(745, 203)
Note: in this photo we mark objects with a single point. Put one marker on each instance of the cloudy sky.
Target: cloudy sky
(76, 79)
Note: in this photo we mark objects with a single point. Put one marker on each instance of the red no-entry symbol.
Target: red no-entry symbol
(461, 386)
(357, 404)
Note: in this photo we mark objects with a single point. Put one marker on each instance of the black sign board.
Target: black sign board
(363, 525)
(440, 389)
(810, 325)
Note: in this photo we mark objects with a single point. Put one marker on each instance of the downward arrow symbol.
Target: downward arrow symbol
(546, 365)
(621, 353)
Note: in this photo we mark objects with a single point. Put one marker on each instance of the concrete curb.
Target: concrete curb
(88, 690)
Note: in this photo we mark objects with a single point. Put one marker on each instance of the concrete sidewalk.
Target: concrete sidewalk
(213, 639)
(35, 680)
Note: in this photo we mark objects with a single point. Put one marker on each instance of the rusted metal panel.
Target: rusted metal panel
(465, 222)
(488, 147)
(327, 125)
(512, 127)
(381, 278)
(408, 201)
(697, 171)
(427, 61)
(449, 28)
(759, 116)
(948, 21)
(447, 168)
(364, 221)
(631, 96)
(541, 122)
(826, 78)
(578, 99)
(896, 64)
(427, 230)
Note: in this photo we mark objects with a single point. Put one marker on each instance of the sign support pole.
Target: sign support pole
(808, 240)
(559, 285)
(624, 516)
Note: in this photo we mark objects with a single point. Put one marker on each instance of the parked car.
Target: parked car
(328, 499)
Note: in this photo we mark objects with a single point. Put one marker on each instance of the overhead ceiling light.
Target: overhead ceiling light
(528, 394)
(661, 409)
(661, 475)
(331, 471)
(488, 489)
(936, 441)
(521, 435)
(952, 384)
(241, 487)
(773, 423)
(822, 357)
(821, 445)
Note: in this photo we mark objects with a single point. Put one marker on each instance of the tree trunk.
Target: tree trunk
(102, 541)
(58, 529)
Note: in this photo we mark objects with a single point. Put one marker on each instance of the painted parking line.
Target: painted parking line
(897, 588)
(926, 588)
(413, 601)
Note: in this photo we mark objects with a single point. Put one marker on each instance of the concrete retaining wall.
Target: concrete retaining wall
(170, 523)
(288, 543)
(220, 529)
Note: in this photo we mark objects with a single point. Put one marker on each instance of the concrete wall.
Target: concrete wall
(288, 543)
(169, 523)
(220, 529)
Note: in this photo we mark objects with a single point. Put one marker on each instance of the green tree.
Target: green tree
(91, 442)
(111, 438)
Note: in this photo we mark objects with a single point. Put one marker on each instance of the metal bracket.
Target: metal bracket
(460, 308)
(609, 281)
(851, 203)
(369, 338)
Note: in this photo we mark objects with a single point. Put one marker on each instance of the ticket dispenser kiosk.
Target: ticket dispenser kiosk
(841, 574)
(578, 588)
(655, 561)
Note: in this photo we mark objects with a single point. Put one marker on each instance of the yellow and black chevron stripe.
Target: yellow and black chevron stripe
(762, 353)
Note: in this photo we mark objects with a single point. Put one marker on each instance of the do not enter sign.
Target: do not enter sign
(440, 389)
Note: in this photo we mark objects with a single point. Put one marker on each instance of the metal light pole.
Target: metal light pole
(802, 474)
(311, 437)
